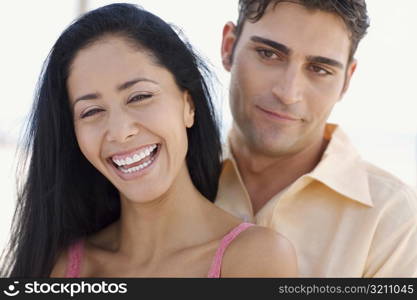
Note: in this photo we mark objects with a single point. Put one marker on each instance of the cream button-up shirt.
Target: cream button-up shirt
(346, 218)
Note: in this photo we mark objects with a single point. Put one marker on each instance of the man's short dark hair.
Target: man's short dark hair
(352, 12)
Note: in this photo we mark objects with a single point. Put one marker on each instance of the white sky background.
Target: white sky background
(379, 111)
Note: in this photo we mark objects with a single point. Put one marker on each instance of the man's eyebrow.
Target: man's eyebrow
(287, 51)
(326, 61)
(278, 46)
(123, 86)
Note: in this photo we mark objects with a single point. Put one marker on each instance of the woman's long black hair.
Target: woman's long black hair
(63, 197)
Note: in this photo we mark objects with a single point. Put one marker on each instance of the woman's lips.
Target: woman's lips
(138, 173)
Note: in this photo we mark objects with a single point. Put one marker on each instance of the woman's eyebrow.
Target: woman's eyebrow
(129, 83)
(121, 87)
(91, 96)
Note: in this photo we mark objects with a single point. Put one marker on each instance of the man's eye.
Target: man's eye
(267, 54)
(319, 70)
(90, 113)
(138, 98)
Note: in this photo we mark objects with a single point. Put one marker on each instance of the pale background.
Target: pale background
(378, 112)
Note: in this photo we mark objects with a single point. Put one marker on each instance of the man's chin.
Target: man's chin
(273, 147)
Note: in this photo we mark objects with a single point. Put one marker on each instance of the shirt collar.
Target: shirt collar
(340, 169)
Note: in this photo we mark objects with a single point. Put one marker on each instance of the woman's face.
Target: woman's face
(130, 118)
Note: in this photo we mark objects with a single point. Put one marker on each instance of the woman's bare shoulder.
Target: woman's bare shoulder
(60, 267)
(260, 252)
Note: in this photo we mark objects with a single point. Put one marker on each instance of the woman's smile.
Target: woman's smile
(133, 164)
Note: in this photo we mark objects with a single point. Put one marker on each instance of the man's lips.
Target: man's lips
(279, 115)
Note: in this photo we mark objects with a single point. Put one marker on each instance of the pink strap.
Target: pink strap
(217, 261)
(75, 255)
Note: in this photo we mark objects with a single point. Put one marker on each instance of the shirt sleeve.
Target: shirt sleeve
(393, 251)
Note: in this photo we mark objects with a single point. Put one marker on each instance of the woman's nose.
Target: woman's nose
(121, 127)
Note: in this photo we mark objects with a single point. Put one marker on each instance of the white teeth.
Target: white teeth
(136, 157)
(137, 168)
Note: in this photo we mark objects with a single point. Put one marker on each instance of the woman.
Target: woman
(125, 155)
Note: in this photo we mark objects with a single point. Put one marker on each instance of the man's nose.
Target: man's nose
(289, 85)
(121, 127)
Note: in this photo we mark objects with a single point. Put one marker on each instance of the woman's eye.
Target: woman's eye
(90, 113)
(267, 54)
(138, 98)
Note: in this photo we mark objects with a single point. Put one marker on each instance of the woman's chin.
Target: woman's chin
(143, 196)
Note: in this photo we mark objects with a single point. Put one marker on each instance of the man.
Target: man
(285, 167)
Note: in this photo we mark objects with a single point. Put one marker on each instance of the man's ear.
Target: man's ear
(189, 110)
(228, 45)
(349, 73)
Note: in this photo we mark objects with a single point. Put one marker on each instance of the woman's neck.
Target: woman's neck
(149, 231)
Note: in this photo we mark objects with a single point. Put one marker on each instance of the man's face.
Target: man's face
(288, 70)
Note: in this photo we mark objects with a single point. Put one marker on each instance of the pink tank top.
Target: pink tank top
(75, 254)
